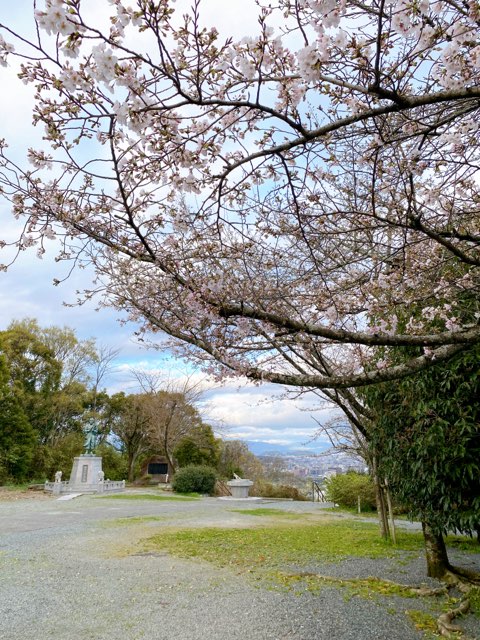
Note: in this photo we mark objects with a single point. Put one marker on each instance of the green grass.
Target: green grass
(283, 545)
(470, 545)
(474, 597)
(285, 556)
(190, 494)
(352, 511)
(146, 496)
(22, 486)
(136, 520)
(424, 622)
(131, 521)
(266, 512)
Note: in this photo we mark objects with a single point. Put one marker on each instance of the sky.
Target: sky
(259, 414)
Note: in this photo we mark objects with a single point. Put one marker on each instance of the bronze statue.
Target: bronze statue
(91, 434)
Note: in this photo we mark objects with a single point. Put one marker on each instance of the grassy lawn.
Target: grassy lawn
(147, 496)
(281, 554)
(285, 551)
(283, 544)
(275, 513)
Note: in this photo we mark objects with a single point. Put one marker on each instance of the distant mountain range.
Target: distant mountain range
(267, 448)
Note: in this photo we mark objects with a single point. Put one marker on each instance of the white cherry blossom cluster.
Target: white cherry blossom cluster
(5, 49)
(270, 200)
(39, 159)
(57, 18)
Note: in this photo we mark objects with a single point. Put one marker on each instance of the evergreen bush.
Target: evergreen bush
(194, 479)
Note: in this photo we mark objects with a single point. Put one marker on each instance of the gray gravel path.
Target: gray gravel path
(67, 573)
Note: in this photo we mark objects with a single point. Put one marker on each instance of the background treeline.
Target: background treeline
(51, 386)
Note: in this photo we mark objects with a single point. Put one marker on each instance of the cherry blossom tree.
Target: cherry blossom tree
(280, 205)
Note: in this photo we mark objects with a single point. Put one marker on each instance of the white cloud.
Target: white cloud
(256, 413)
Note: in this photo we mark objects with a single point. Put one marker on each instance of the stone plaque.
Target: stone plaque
(84, 472)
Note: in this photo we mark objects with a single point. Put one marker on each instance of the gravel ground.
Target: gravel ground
(70, 571)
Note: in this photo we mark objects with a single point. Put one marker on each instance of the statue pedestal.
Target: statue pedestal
(84, 475)
(239, 488)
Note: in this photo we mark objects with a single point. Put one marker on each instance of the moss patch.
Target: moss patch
(363, 587)
(474, 597)
(425, 622)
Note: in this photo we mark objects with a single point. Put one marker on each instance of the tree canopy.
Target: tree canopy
(426, 436)
(49, 388)
(17, 437)
(261, 200)
(200, 447)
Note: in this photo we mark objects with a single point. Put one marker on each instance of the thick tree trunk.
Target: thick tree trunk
(381, 509)
(436, 553)
(390, 513)
(380, 500)
(130, 467)
(168, 456)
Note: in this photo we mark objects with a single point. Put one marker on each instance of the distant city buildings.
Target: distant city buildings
(314, 466)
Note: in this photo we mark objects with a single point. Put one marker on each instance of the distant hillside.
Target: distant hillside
(266, 448)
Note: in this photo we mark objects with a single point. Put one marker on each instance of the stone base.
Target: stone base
(248, 499)
(108, 486)
(84, 478)
(239, 487)
(84, 475)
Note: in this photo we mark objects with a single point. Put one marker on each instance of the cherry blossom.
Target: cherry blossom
(282, 205)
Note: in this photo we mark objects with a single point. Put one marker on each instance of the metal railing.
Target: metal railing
(221, 489)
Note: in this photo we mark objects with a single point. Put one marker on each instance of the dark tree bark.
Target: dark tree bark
(381, 511)
(436, 553)
(381, 508)
(131, 466)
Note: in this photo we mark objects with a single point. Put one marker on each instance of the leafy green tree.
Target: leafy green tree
(31, 363)
(57, 455)
(131, 422)
(156, 423)
(347, 488)
(173, 418)
(199, 448)
(427, 437)
(77, 357)
(56, 378)
(17, 437)
(52, 404)
(114, 462)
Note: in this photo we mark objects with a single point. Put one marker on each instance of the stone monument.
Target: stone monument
(87, 475)
(239, 487)
(86, 467)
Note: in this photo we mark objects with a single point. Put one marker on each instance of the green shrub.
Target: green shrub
(144, 481)
(57, 456)
(194, 479)
(345, 489)
(114, 463)
(264, 489)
